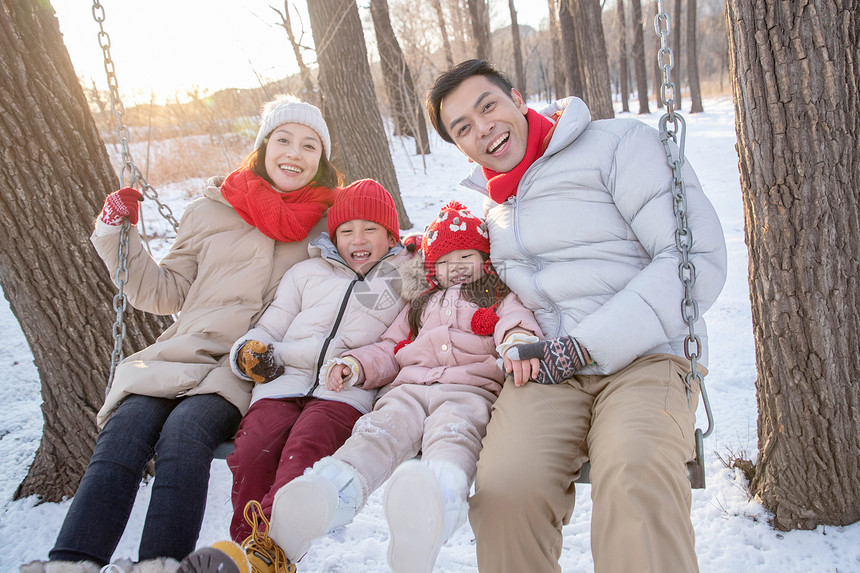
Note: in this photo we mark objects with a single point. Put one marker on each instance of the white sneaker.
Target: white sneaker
(424, 505)
(312, 505)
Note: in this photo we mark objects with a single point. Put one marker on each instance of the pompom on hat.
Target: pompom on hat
(367, 200)
(289, 109)
(453, 229)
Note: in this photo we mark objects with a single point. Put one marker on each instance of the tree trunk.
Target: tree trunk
(558, 75)
(54, 176)
(309, 92)
(359, 146)
(623, 71)
(408, 114)
(693, 60)
(676, 52)
(440, 16)
(518, 51)
(639, 57)
(568, 46)
(795, 81)
(479, 13)
(593, 59)
(652, 56)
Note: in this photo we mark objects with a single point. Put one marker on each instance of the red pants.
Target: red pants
(277, 439)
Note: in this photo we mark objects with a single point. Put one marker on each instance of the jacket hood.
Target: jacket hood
(323, 247)
(574, 119)
(213, 190)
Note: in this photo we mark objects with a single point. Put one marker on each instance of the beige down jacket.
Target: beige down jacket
(322, 309)
(219, 275)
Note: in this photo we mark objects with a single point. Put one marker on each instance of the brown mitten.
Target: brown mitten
(257, 361)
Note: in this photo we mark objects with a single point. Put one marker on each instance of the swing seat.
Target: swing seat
(695, 468)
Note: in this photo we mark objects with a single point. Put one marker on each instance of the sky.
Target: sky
(170, 47)
(732, 531)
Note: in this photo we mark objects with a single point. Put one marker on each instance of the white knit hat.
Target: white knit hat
(289, 109)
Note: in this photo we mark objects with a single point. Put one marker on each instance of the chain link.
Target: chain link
(130, 176)
(673, 127)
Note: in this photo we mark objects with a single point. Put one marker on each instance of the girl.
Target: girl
(178, 398)
(438, 363)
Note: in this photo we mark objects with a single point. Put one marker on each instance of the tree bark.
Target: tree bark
(623, 56)
(54, 176)
(518, 50)
(479, 14)
(693, 60)
(558, 75)
(639, 57)
(408, 114)
(440, 16)
(568, 46)
(359, 145)
(593, 59)
(797, 113)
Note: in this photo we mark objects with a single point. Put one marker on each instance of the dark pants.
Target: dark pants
(182, 434)
(277, 440)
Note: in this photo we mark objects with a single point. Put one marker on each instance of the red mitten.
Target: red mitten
(412, 242)
(121, 204)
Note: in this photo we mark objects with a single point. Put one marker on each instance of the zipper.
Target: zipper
(344, 303)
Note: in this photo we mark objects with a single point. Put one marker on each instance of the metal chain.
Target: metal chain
(135, 178)
(672, 126)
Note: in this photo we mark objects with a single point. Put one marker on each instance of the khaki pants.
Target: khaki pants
(637, 428)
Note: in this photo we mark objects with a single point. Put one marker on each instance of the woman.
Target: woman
(178, 399)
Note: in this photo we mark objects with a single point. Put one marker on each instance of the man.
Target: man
(582, 228)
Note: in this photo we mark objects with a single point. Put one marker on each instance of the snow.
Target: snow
(732, 530)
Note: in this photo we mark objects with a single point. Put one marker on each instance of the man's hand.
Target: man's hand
(523, 370)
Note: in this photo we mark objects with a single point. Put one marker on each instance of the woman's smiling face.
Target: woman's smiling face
(293, 153)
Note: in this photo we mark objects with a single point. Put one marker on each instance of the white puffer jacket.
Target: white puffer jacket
(323, 308)
(588, 241)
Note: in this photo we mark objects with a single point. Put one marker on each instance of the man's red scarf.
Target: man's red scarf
(504, 185)
(285, 217)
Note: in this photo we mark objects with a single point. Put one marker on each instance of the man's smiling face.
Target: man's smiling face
(487, 124)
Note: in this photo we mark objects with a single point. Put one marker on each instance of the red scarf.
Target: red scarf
(504, 185)
(285, 217)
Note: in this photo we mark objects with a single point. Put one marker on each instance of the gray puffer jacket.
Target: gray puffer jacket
(588, 241)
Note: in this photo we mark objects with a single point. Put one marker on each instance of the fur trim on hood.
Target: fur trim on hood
(414, 277)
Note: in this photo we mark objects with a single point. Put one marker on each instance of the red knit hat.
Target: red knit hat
(453, 229)
(367, 200)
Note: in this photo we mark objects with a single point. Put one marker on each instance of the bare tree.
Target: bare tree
(408, 113)
(309, 92)
(797, 113)
(639, 56)
(623, 56)
(518, 51)
(569, 47)
(54, 176)
(558, 65)
(593, 59)
(479, 12)
(359, 146)
(440, 16)
(693, 60)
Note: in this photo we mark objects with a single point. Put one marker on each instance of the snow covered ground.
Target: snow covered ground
(732, 530)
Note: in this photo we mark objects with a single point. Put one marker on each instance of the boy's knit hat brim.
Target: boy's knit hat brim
(365, 200)
(288, 109)
(453, 229)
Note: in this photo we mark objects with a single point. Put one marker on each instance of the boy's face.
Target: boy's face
(459, 267)
(362, 243)
(487, 124)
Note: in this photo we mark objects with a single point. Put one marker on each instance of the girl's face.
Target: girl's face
(293, 154)
(459, 267)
